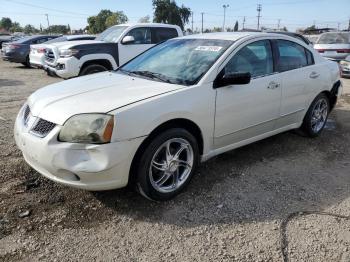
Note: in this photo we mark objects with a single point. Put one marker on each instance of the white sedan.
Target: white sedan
(186, 100)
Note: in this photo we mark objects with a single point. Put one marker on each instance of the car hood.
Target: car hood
(69, 44)
(98, 93)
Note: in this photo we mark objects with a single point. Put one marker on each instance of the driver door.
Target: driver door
(142, 36)
(247, 111)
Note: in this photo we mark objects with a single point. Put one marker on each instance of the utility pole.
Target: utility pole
(192, 22)
(202, 21)
(259, 10)
(338, 26)
(243, 22)
(223, 26)
(278, 25)
(349, 25)
(48, 23)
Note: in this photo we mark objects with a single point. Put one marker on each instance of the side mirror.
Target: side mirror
(128, 40)
(238, 78)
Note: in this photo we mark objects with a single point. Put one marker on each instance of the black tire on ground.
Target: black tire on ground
(27, 62)
(92, 69)
(143, 181)
(307, 122)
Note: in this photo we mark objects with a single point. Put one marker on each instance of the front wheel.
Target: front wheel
(316, 116)
(92, 69)
(167, 164)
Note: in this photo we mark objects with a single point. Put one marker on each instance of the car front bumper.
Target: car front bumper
(84, 166)
(64, 67)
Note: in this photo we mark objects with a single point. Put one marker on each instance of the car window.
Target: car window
(291, 55)
(39, 41)
(142, 35)
(334, 38)
(111, 34)
(255, 58)
(162, 34)
(310, 57)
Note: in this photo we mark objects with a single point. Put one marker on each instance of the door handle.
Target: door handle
(314, 75)
(273, 85)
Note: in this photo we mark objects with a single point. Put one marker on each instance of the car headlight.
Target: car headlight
(67, 52)
(344, 63)
(87, 128)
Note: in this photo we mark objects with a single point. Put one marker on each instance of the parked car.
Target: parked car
(112, 48)
(37, 52)
(4, 38)
(18, 51)
(312, 38)
(345, 66)
(295, 35)
(152, 121)
(334, 45)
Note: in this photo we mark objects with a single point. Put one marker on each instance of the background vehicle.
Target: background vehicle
(295, 35)
(185, 100)
(5, 38)
(37, 52)
(334, 45)
(112, 48)
(18, 51)
(345, 66)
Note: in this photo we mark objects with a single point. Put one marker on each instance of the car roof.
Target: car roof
(149, 25)
(233, 36)
(77, 36)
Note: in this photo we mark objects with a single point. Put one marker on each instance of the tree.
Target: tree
(145, 19)
(166, 11)
(104, 19)
(29, 29)
(116, 18)
(16, 27)
(5, 23)
(57, 29)
(235, 29)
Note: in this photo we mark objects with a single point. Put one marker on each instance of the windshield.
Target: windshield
(334, 38)
(178, 61)
(111, 34)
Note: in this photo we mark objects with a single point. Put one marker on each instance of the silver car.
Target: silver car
(345, 67)
(334, 45)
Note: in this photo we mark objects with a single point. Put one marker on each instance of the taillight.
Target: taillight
(343, 51)
(320, 50)
(14, 46)
(41, 50)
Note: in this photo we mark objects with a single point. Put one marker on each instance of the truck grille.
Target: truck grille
(49, 55)
(42, 128)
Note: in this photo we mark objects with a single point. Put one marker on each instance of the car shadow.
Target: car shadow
(263, 181)
(10, 82)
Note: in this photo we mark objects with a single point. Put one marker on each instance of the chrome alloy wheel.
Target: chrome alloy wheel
(171, 165)
(319, 115)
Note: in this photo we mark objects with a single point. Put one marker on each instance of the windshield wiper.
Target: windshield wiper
(152, 75)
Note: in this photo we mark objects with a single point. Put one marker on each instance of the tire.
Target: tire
(160, 179)
(316, 116)
(27, 62)
(92, 69)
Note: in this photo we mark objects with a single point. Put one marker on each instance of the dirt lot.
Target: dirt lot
(239, 207)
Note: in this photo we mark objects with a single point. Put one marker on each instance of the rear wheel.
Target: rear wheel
(92, 69)
(27, 62)
(167, 164)
(316, 116)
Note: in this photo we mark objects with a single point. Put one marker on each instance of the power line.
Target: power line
(45, 8)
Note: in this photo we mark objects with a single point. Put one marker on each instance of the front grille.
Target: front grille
(26, 115)
(42, 127)
(49, 55)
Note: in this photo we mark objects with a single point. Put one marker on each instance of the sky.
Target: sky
(293, 14)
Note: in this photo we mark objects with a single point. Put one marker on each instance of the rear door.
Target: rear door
(300, 79)
(142, 36)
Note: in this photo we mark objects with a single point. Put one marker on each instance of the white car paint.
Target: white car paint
(125, 52)
(228, 117)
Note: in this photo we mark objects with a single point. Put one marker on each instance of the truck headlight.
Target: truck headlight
(87, 128)
(67, 52)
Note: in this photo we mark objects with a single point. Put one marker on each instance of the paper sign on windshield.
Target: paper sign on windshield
(209, 48)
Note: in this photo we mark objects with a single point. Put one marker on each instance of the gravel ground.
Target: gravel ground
(244, 205)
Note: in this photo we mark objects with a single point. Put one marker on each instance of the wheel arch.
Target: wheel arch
(184, 123)
(104, 62)
(332, 94)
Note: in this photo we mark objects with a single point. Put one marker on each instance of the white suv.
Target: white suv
(111, 49)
